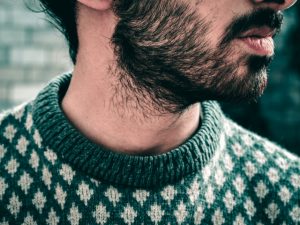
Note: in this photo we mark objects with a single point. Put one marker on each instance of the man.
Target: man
(130, 136)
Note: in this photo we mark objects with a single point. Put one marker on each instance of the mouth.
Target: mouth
(259, 40)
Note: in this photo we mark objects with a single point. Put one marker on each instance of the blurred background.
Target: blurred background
(32, 52)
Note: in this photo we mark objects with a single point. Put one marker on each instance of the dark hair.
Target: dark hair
(63, 15)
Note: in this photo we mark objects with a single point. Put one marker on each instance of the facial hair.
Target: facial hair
(162, 50)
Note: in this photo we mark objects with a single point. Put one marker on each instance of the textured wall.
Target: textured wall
(31, 52)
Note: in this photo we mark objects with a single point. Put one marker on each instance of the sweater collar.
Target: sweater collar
(138, 171)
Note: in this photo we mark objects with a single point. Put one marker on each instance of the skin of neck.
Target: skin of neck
(107, 113)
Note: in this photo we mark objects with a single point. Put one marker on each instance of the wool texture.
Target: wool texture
(52, 174)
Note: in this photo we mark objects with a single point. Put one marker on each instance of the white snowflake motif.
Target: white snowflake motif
(261, 190)
(168, 193)
(52, 219)
(34, 160)
(219, 178)
(228, 164)
(260, 157)
(37, 138)
(39, 201)
(100, 214)
(206, 173)
(250, 208)
(67, 173)
(74, 216)
(60, 196)
(272, 211)
(14, 205)
(113, 195)
(25, 182)
(229, 201)
(50, 156)
(180, 213)
(22, 145)
(218, 218)
(284, 194)
(46, 177)
(239, 185)
(141, 196)
(2, 152)
(18, 112)
(84, 192)
(28, 220)
(295, 180)
(239, 220)
(29, 122)
(12, 166)
(247, 140)
(3, 187)
(250, 170)
(194, 191)
(209, 195)
(155, 213)
(270, 147)
(129, 215)
(238, 150)
(282, 163)
(10, 132)
(295, 214)
(199, 215)
(273, 175)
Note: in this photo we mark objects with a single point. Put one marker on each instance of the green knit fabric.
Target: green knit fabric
(51, 174)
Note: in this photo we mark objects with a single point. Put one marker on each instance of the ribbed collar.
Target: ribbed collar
(120, 169)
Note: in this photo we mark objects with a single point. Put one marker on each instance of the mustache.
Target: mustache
(263, 17)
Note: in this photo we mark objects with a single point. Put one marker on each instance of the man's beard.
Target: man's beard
(162, 49)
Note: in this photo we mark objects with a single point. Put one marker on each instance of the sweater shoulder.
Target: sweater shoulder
(254, 144)
(264, 163)
(16, 127)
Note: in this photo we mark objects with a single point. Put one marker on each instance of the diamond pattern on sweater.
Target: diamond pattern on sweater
(84, 192)
(3, 187)
(14, 205)
(52, 219)
(74, 216)
(29, 220)
(67, 173)
(46, 177)
(113, 195)
(156, 213)
(180, 213)
(39, 201)
(141, 196)
(60, 196)
(12, 166)
(250, 182)
(10, 132)
(25, 182)
(22, 145)
(129, 214)
(50, 156)
(101, 214)
(199, 215)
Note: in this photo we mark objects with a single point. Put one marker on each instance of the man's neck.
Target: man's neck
(107, 112)
(120, 120)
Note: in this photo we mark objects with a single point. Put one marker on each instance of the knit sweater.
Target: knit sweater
(52, 174)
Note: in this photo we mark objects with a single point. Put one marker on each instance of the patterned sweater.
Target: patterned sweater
(51, 174)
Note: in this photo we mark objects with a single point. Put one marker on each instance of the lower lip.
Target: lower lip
(260, 46)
